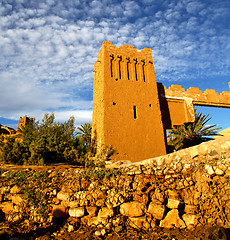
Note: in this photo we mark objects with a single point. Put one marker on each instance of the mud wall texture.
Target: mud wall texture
(125, 104)
(186, 189)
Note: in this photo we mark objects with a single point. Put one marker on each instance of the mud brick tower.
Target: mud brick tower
(131, 111)
(126, 108)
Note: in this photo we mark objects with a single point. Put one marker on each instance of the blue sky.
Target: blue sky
(48, 49)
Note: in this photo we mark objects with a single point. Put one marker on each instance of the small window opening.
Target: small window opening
(119, 66)
(116, 79)
(150, 105)
(136, 69)
(143, 69)
(114, 103)
(128, 62)
(111, 65)
(135, 112)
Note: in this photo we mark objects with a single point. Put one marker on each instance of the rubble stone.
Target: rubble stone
(63, 196)
(172, 219)
(190, 220)
(105, 212)
(77, 212)
(156, 210)
(173, 203)
(132, 209)
(139, 222)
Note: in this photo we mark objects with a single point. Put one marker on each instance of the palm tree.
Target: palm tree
(193, 133)
(85, 132)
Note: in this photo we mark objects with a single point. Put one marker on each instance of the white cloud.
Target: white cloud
(48, 48)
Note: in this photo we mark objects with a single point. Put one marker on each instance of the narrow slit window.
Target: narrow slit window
(111, 64)
(128, 62)
(136, 69)
(119, 66)
(135, 112)
(143, 69)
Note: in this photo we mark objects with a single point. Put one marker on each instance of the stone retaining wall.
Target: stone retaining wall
(186, 189)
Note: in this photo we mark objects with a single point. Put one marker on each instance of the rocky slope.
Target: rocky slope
(187, 190)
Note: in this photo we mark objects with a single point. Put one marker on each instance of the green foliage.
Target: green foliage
(46, 142)
(11, 151)
(99, 174)
(84, 137)
(191, 134)
(35, 197)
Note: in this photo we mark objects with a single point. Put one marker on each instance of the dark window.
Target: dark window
(135, 112)
(111, 64)
(135, 68)
(128, 62)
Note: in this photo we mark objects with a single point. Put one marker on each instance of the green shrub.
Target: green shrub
(45, 142)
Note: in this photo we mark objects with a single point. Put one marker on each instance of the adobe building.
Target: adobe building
(131, 111)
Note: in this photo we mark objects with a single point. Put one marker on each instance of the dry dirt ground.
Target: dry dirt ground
(58, 230)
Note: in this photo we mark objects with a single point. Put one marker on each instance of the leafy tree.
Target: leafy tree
(191, 134)
(41, 143)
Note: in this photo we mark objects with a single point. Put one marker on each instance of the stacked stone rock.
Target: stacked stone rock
(186, 189)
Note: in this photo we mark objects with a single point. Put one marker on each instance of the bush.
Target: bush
(44, 143)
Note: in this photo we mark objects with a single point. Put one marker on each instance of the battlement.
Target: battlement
(207, 98)
(126, 62)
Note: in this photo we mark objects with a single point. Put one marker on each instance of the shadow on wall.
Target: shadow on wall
(166, 119)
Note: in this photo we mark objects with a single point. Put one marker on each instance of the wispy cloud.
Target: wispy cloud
(48, 48)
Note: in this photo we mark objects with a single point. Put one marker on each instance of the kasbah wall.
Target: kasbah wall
(131, 111)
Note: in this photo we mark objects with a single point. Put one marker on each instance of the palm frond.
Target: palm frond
(193, 133)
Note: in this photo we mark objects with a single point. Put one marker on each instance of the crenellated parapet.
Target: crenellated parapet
(126, 62)
(207, 98)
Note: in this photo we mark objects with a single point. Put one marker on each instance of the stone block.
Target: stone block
(77, 212)
(209, 169)
(173, 203)
(156, 210)
(17, 199)
(139, 222)
(219, 171)
(190, 220)
(7, 207)
(63, 196)
(132, 209)
(172, 220)
(95, 221)
(105, 212)
(190, 209)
